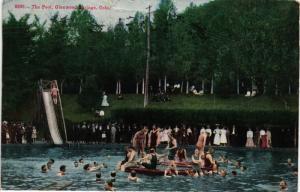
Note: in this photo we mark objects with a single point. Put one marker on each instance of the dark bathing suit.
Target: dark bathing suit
(153, 163)
(153, 139)
(172, 152)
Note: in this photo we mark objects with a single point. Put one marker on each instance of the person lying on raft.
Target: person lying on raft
(171, 170)
(93, 167)
(181, 155)
(129, 160)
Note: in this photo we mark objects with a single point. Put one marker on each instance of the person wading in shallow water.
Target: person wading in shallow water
(139, 140)
(153, 140)
(54, 92)
(201, 141)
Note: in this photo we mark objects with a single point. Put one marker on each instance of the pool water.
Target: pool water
(21, 170)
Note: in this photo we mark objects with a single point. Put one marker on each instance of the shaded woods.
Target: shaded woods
(223, 47)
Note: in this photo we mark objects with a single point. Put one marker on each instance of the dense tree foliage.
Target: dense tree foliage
(224, 47)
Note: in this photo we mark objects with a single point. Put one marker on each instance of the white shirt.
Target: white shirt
(208, 131)
(249, 134)
(262, 132)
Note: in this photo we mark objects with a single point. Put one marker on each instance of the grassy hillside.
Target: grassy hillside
(74, 112)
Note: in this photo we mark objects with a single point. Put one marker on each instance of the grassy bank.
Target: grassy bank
(74, 112)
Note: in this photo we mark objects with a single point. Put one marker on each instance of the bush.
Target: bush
(195, 117)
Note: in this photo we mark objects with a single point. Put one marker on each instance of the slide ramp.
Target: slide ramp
(51, 118)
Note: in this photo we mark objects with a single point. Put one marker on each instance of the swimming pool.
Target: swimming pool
(21, 170)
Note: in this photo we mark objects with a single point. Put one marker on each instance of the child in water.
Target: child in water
(62, 170)
(132, 176)
(44, 169)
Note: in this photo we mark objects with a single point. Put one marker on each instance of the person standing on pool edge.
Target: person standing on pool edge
(153, 138)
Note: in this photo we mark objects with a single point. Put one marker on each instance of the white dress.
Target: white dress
(217, 137)
(223, 136)
(249, 142)
(104, 101)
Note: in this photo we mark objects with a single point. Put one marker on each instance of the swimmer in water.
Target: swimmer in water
(132, 176)
(234, 173)
(62, 170)
(223, 173)
(290, 163)
(109, 186)
(113, 175)
(44, 169)
(81, 161)
(295, 171)
(92, 167)
(75, 163)
(98, 178)
(193, 173)
(50, 163)
(283, 185)
(243, 168)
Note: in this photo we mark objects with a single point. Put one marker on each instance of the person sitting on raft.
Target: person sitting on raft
(171, 170)
(181, 155)
(129, 159)
(152, 157)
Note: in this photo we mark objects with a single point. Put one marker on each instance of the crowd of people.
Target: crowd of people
(94, 132)
(18, 133)
(172, 161)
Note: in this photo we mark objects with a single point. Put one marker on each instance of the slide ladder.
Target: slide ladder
(51, 118)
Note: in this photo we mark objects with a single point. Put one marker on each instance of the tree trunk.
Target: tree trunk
(143, 86)
(187, 87)
(290, 88)
(137, 87)
(203, 85)
(265, 87)
(159, 83)
(276, 88)
(120, 87)
(117, 88)
(181, 87)
(252, 84)
(61, 86)
(237, 86)
(165, 84)
(295, 134)
(212, 86)
(80, 86)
